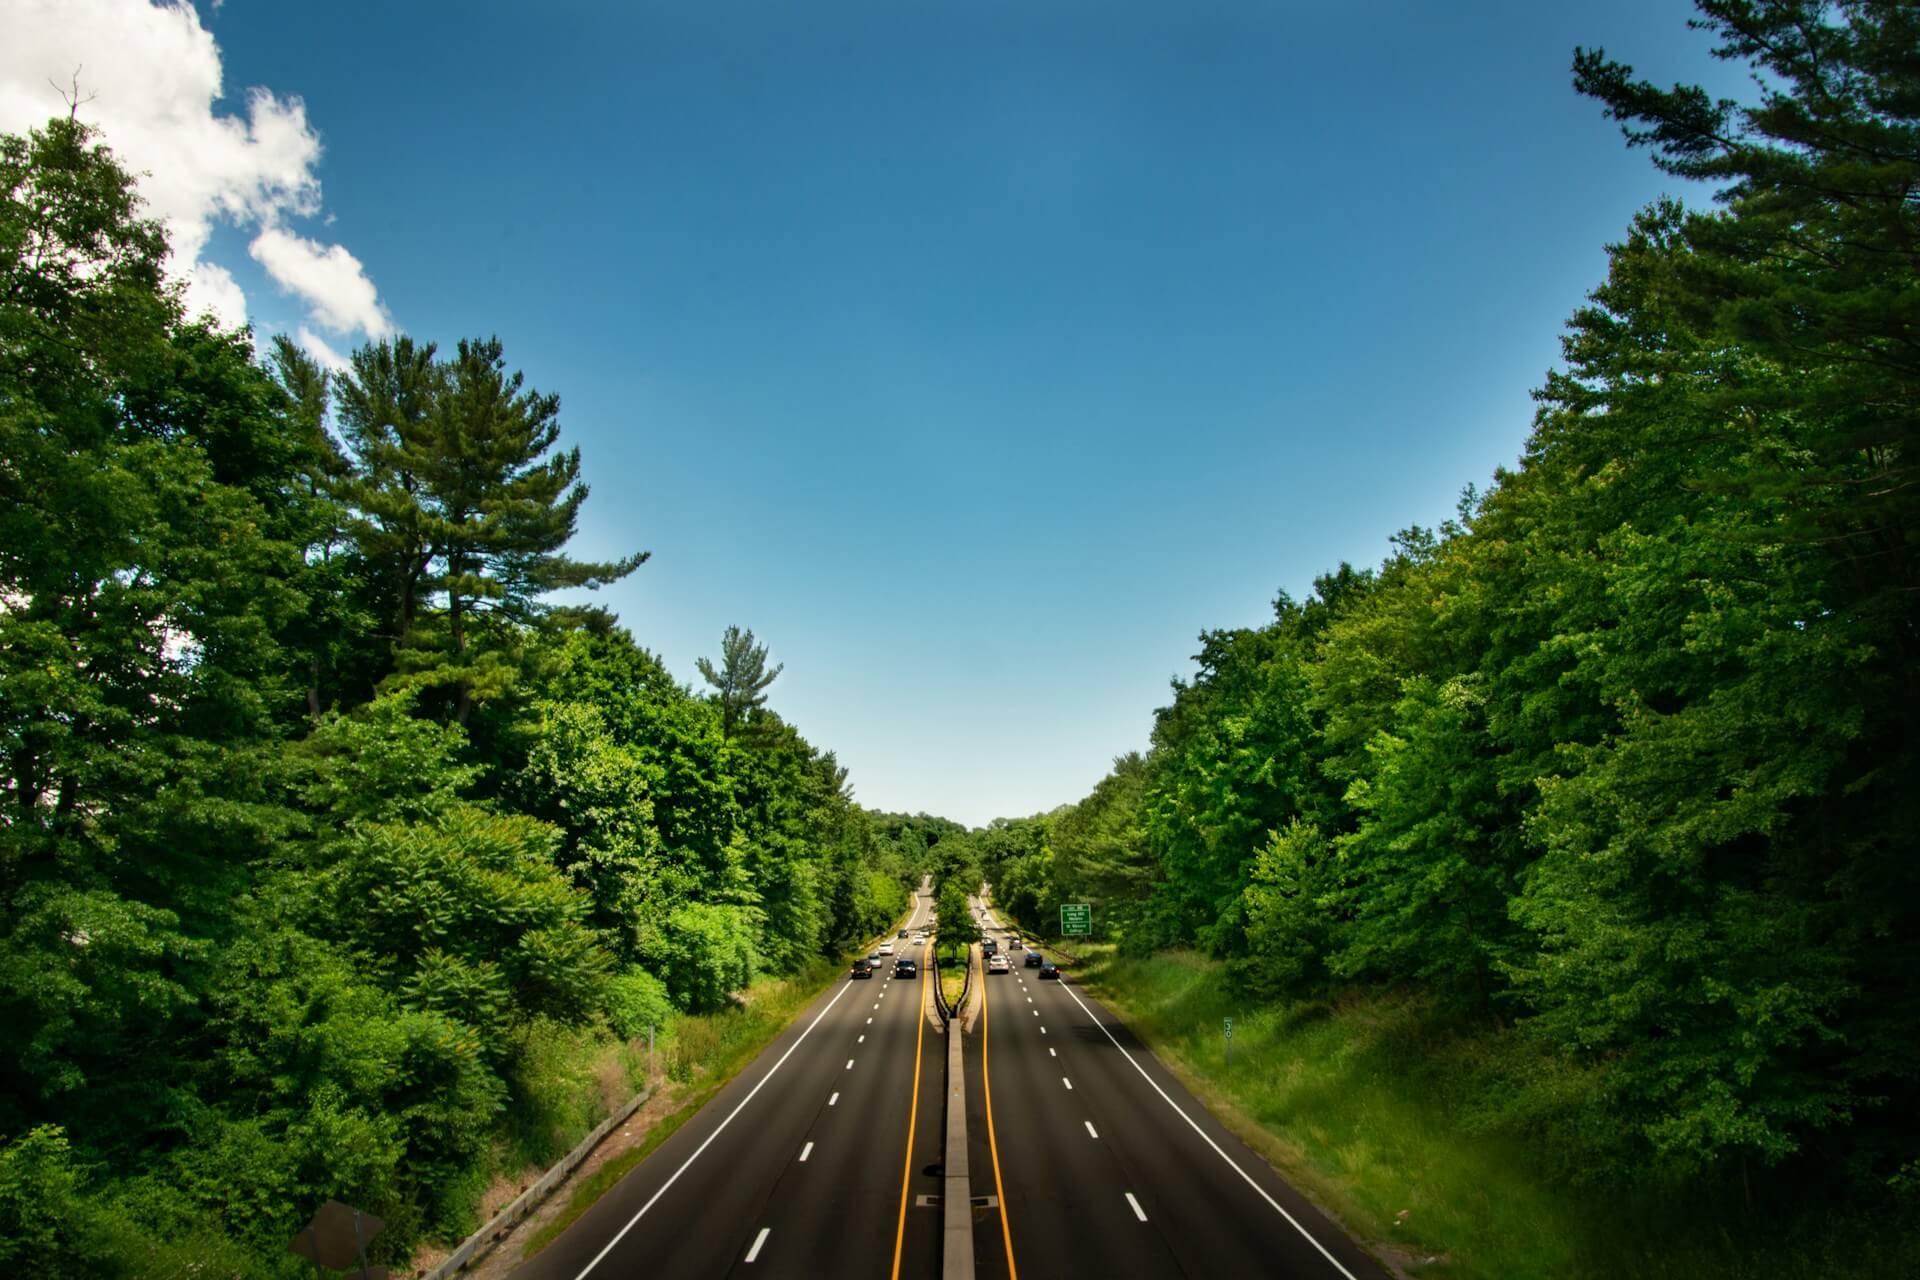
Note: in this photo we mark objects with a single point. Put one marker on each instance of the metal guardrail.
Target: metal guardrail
(483, 1240)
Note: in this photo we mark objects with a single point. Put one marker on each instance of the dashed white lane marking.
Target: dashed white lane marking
(1066, 1082)
(808, 1150)
(1051, 1053)
(1138, 1212)
(1036, 1013)
(1043, 1028)
(869, 1021)
(862, 1039)
(834, 1099)
(767, 1231)
(1258, 1189)
(654, 1199)
(1029, 999)
(849, 1064)
(1091, 1133)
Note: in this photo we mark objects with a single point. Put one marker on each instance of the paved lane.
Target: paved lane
(730, 1192)
(1111, 1168)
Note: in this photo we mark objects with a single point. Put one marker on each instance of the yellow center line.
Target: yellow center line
(993, 1145)
(913, 1113)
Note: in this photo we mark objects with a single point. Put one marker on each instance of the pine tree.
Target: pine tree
(464, 498)
(740, 682)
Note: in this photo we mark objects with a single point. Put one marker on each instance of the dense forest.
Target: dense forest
(1617, 768)
(328, 837)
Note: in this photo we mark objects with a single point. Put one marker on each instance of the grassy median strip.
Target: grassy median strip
(1395, 1121)
(953, 972)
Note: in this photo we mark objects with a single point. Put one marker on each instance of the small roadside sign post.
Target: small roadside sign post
(338, 1237)
(1229, 1035)
(1076, 919)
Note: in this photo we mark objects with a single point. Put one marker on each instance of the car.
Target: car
(903, 933)
(1048, 969)
(1034, 960)
(873, 958)
(919, 939)
(861, 969)
(886, 949)
(989, 947)
(904, 967)
(997, 964)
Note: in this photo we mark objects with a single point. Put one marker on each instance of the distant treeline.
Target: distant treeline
(1623, 760)
(321, 826)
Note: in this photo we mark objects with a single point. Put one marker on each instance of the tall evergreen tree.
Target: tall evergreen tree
(741, 680)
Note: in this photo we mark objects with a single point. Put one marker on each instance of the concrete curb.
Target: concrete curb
(956, 1199)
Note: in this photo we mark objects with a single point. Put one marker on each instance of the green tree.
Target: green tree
(741, 680)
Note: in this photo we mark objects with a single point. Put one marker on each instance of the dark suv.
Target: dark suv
(989, 947)
(1050, 970)
(1033, 960)
(862, 968)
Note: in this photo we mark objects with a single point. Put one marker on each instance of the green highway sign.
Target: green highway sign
(1076, 918)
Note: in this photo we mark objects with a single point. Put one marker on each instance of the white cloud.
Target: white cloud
(317, 347)
(330, 279)
(149, 76)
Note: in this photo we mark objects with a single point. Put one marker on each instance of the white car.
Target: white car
(996, 964)
(886, 948)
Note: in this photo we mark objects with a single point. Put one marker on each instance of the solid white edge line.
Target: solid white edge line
(621, 1234)
(766, 1231)
(1231, 1164)
(1091, 1131)
(805, 1152)
(1138, 1212)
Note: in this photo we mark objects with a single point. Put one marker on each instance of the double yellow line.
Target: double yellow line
(913, 1113)
(993, 1145)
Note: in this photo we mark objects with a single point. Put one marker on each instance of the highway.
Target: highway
(1106, 1166)
(801, 1166)
(1087, 1157)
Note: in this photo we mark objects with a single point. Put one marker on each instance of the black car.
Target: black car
(903, 933)
(1034, 960)
(1048, 969)
(862, 969)
(905, 969)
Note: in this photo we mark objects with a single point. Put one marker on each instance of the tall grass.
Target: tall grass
(1461, 1153)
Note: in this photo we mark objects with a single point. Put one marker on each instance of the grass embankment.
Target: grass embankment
(1378, 1106)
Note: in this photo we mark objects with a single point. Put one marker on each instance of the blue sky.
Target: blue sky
(975, 356)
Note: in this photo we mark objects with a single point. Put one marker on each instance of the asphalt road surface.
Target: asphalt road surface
(800, 1166)
(1106, 1166)
(1087, 1157)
